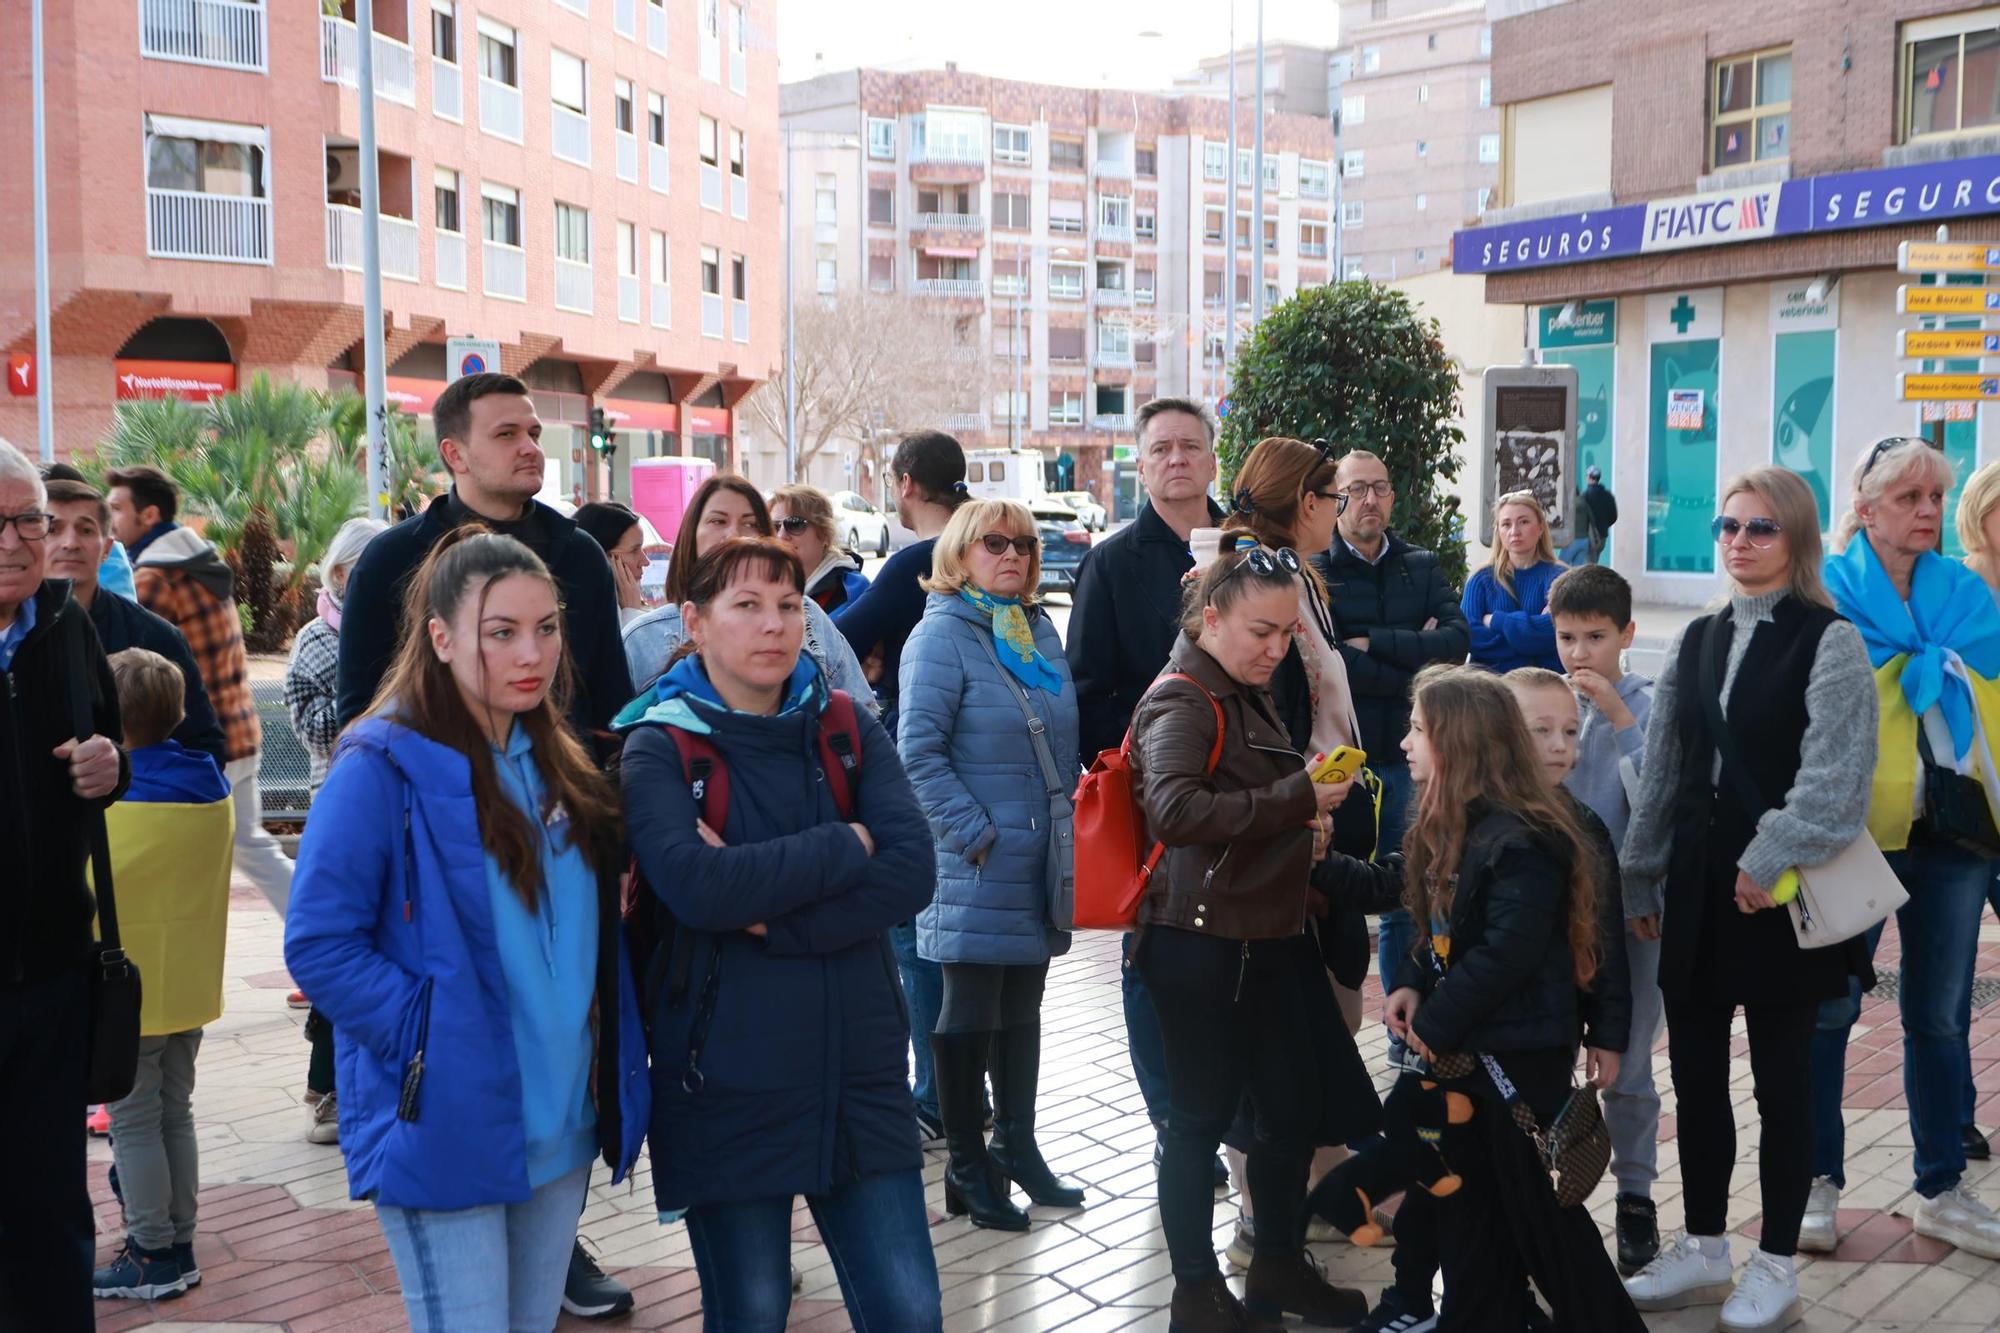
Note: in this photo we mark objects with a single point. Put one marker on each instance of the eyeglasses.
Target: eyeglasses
(1760, 532)
(997, 544)
(1339, 499)
(1888, 445)
(1260, 560)
(1361, 490)
(792, 524)
(29, 527)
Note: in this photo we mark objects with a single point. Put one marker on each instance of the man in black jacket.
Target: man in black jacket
(490, 438)
(79, 537)
(51, 783)
(1123, 621)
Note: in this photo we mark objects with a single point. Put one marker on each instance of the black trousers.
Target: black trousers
(985, 997)
(319, 1069)
(1781, 1037)
(46, 1240)
(1232, 1021)
(1504, 1226)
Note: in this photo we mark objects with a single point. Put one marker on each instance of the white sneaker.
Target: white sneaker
(1818, 1231)
(1243, 1245)
(1764, 1295)
(1959, 1217)
(324, 1111)
(1680, 1276)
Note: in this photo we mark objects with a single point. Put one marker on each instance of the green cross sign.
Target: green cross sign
(1682, 314)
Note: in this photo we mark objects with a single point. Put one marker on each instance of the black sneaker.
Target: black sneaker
(930, 1128)
(1977, 1149)
(1638, 1233)
(139, 1275)
(1390, 1315)
(184, 1255)
(587, 1293)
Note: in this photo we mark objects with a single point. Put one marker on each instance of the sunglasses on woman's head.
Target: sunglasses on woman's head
(792, 524)
(1262, 562)
(997, 544)
(1760, 531)
(1883, 446)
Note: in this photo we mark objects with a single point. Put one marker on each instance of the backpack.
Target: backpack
(1112, 869)
(662, 953)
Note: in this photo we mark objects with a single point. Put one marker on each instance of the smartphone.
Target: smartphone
(1342, 764)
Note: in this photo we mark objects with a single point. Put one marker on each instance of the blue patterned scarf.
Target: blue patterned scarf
(1014, 640)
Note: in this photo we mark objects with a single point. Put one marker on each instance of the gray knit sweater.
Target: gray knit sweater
(1827, 806)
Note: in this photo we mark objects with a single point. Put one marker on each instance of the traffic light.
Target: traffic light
(602, 441)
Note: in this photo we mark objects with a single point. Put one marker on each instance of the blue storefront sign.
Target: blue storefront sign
(1890, 196)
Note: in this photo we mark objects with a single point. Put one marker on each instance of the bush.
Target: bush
(1355, 364)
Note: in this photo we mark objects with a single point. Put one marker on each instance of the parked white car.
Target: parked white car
(1088, 512)
(861, 526)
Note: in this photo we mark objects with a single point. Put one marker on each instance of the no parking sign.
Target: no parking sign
(470, 356)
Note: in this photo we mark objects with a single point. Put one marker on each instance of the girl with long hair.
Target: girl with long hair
(1507, 601)
(456, 915)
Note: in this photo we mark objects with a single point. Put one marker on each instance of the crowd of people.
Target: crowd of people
(765, 881)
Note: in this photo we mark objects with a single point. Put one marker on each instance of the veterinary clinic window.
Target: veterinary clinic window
(1750, 109)
(1951, 73)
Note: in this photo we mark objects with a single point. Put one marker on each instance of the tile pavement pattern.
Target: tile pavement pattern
(282, 1248)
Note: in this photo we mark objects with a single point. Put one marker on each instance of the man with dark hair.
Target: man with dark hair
(116, 574)
(144, 503)
(51, 784)
(489, 437)
(79, 535)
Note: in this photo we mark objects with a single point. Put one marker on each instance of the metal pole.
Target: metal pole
(791, 343)
(1257, 189)
(1015, 392)
(1229, 280)
(45, 428)
(373, 352)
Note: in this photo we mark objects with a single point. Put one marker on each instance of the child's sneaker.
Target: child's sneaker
(142, 1275)
(323, 1108)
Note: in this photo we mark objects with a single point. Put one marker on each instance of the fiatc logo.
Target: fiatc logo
(1711, 219)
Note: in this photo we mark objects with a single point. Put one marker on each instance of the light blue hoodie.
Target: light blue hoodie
(549, 960)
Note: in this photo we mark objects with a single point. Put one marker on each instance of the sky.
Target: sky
(1082, 43)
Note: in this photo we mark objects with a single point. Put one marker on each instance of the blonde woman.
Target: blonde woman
(1507, 602)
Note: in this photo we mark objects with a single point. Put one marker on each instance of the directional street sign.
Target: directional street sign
(1947, 342)
(1945, 388)
(1947, 300)
(1947, 257)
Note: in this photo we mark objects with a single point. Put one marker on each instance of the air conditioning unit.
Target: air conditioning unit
(343, 170)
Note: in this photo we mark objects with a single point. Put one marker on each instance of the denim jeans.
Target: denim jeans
(1632, 1103)
(875, 1228)
(1972, 1093)
(1939, 928)
(495, 1267)
(1142, 1037)
(1395, 933)
(923, 987)
(153, 1145)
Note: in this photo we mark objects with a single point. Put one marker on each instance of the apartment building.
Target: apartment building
(1295, 76)
(1418, 135)
(1702, 204)
(592, 183)
(1076, 237)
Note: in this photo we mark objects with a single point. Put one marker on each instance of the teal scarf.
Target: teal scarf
(1014, 640)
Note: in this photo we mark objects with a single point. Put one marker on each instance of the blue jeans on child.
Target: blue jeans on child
(876, 1230)
(923, 987)
(495, 1267)
(1939, 929)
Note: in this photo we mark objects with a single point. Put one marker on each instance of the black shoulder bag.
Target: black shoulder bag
(114, 978)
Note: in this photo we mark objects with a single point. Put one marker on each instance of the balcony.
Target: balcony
(573, 286)
(500, 109)
(949, 163)
(506, 271)
(959, 222)
(628, 157)
(953, 287)
(451, 260)
(447, 90)
(623, 17)
(1113, 296)
(656, 164)
(569, 135)
(1115, 231)
(396, 241)
(1112, 421)
(1112, 167)
(1114, 358)
(628, 298)
(228, 34)
(656, 28)
(739, 321)
(230, 229)
(962, 421)
(340, 61)
(1312, 249)
(711, 314)
(663, 305)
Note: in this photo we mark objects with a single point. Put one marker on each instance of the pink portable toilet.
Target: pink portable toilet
(663, 487)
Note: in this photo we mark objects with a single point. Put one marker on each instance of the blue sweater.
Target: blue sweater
(171, 773)
(886, 613)
(1521, 633)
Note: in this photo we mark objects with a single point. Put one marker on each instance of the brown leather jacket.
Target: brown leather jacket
(1239, 851)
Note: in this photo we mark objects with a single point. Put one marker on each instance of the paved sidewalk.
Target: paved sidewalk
(281, 1247)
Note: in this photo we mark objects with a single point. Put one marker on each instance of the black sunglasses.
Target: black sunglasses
(1885, 445)
(1261, 561)
(1761, 531)
(996, 544)
(793, 524)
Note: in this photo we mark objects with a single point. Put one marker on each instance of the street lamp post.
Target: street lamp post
(373, 351)
(1229, 283)
(1257, 189)
(45, 429)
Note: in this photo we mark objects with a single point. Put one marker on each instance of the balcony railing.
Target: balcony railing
(447, 90)
(340, 61)
(1114, 231)
(1112, 421)
(1106, 166)
(622, 17)
(739, 321)
(663, 305)
(225, 33)
(569, 135)
(500, 109)
(656, 164)
(628, 157)
(739, 197)
(1113, 296)
(656, 28)
(397, 242)
(1114, 357)
(451, 260)
(947, 287)
(184, 224)
(506, 270)
(711, 314)
(1312, 249)
(1060, 417)
(573, 286)
(950, 154)
(951, 222)
(628, 298)
(962, 421)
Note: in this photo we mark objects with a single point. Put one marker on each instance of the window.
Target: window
(656, 120)
(572, 233)
(444, 191)
(1423, 93)
(1214, 161)
(1111, 275)
(1423, 148)
(1270, 236)
(1242, 231)
(1243, 165)
(1065, 155)
(628, 250)
(1751, 106)
(711, 271)
(826, 199)
(1146, 224)
(1489, 148)
(739, 48)
(566, 81)
(1142, 286)
(1350, 212)
(1142, 352)
(881, 273)
(205, 166)
(1423, 202)
(710, 153)
(1352, 163)
(1066, 281)
(1312, 240)
(1431, 42)
(1010, 276)
(1114, 342)
(621, 106)
(881, 139)
(1114, 212)
(1012, 143)
(737, 148)
(1008, 405)
(1354, 109)
(1065, 407)
(500, 214)
(1211, 287)
(1010, 212)
(739, 278)
(881, 206)
(1065, 345)
(1066, 215)
(1484, 198)
(1146, 163)
(708, 33)
(444, 34)
(1008, 334)
(1211, 225)
(943, 134)
(1313, 183)
(1486, 41)
(1371, 59)
(496, 58)
(826, 271)
(1486, 92)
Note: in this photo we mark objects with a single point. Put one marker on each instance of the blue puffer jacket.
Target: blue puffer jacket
(967, 749)
(800, 1038)
(390, 928)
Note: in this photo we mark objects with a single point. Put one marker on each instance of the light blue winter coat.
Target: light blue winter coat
(966, 747)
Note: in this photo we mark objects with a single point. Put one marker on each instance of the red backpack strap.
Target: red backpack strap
(707, 776)
(839, 744)
(1215, 750)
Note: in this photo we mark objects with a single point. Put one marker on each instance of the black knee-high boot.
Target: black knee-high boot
(971, 1185)
(1017, 1062)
